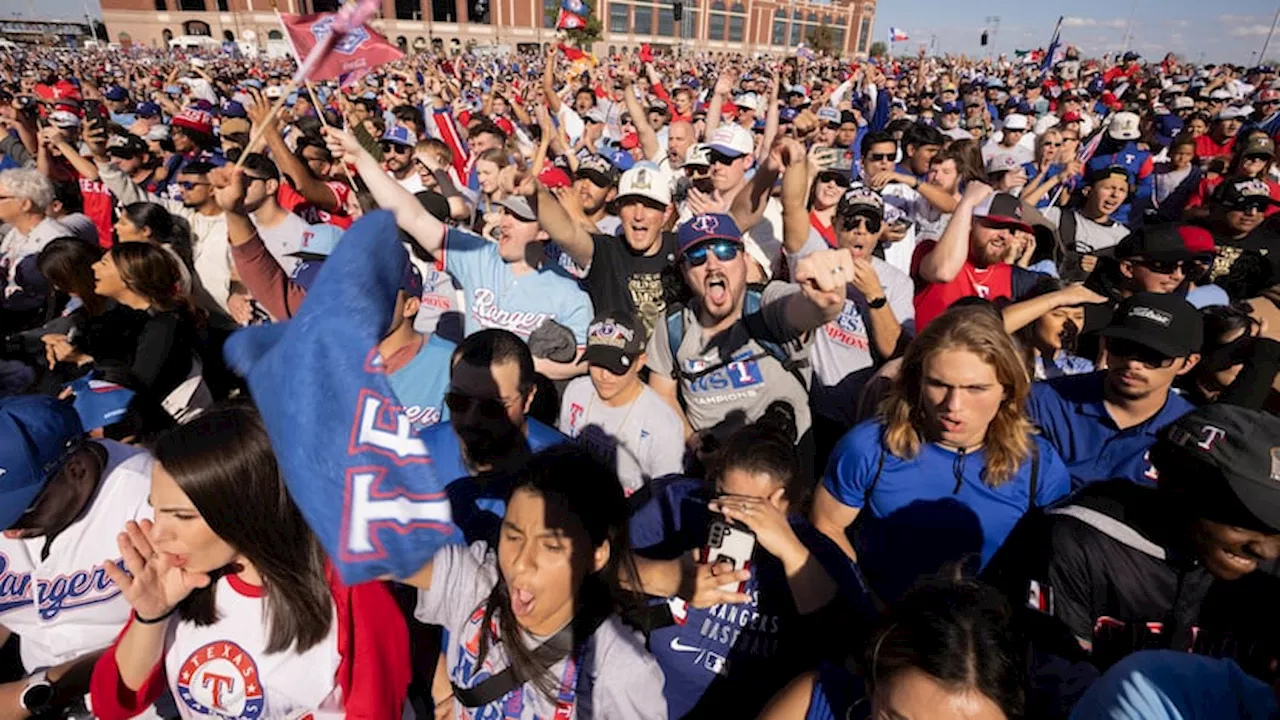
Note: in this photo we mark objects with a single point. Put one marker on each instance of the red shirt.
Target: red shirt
(828, 232)
(293, 201)
(1207, 147)
(99, 203)
(991, 282)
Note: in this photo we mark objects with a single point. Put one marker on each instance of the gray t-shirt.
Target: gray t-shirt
(641, 440)
(842, 357)
(1090, 236)
(618, 679)
(728, 380)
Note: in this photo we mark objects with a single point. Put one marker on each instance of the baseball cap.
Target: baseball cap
(39, 432)
(1016, 121)
(1102, 173)
(99, 403)
(1232, 113)
(159, 132)
(1072, 116)
(1243, 191)
(1221, 444)
(595, 115)
(318, 241)
(1219, 94)
(1003, 208)
(861, 200)
(1165, 323)
(731, 140)
(1267, 95)
(125, 146)
(748, 101)
(148, 110)
(553, 177)
(234, 109)
(64, 119)
(411, 282)
(598, 170)
(614, 341)
(400, 135)
(1002, 162)
(115, 93)
(195, 120)
(520, 207)
(701, 228)
(952, 108)
(1183, 102)
(1259, 145)
(273, 92)
(698, 155)
(1124, 126)
(1154, 242)
(645, 180)
(828, 114)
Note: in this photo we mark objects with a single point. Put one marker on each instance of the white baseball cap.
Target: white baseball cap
(1124, 126)
(732, 140)
(1232, 113)
(646, 180)
(1003, 162)
(748, 101)
(1183, 102)
(697, 156)
(1016, 122)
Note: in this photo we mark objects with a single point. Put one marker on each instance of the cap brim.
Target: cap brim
(597, 177)
(1021, 224)
(14, 503)
(726, 151)
(610, 358)
(657, 203)
(1160, 344)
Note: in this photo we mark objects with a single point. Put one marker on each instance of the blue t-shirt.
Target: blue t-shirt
(837, 695)
(478, 506)
(1070, 413)
(933, 509)
(728, 660)
(498, 298)
(420, 385)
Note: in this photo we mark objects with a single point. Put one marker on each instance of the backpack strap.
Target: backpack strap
(758, 330)
(1069, 259)
(1035, 475)
(675, 334)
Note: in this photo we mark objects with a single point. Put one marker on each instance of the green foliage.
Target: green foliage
(878, 49)
(822, 40)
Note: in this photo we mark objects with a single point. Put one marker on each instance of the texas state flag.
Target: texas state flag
(358, 50)
(897, 35)
(351, 459)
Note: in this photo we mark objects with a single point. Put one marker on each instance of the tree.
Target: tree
(582, 38)
(878, 49)
(822, 40)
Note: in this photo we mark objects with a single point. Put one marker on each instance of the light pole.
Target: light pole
(1262, 55)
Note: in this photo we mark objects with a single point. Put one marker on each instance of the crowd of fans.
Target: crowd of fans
(793, 388)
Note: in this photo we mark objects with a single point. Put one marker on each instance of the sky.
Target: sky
(1219, 31)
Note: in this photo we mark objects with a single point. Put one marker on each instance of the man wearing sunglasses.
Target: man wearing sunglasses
(1236, 211)
(397, 157)
(1103, 423)
(734, 360)
(1156, 259)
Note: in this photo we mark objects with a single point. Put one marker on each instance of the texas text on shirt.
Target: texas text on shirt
(1072, 416)
(498, 298)
(73, 607)
(359, 670)
(728, 660)
(612, 677)
(294, 202)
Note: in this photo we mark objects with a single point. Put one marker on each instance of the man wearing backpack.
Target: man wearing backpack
(723, 358)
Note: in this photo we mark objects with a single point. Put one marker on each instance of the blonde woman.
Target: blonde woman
(949, 466)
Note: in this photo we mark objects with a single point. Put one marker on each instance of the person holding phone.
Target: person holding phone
(719, 663)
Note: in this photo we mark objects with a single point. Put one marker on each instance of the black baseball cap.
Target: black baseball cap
(1221, 447)
(126, 146)
(1154, 242)
(1165, 323)
(1242, 192)
(615, 341)
(599, 171)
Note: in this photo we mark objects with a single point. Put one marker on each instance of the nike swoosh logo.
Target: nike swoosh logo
(681, 647)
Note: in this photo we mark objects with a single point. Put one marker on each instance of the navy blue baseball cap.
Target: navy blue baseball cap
(952, 107)
(702, 228)
(234, 109)
(99, 403)
(115, 93)
(39, 433)
(148, 110)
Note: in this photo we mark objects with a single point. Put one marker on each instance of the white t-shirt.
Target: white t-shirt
(901, 202)
(1090, 236)
(641, 440)
(75, 608)
(282, 239)
(411, 182)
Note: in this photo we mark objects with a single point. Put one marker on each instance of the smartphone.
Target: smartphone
(730, 542)
(826, 157)
(703, 185)
(95, 112)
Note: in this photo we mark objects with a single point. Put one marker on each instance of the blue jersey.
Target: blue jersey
(728, 660)
(420, 385)
(498, 298)
(1072, 416)
(478, 505)
(933, 509)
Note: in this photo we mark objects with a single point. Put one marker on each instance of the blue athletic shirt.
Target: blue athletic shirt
(498, 298)
(837, 695)
(918, 517)
(478, 506)
(1070, 413)
(420, 385)
(728, 660)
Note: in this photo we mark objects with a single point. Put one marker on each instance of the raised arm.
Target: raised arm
(309, 186)
(949, 255)
(1021, 314)
(719, 93)
(549, 81)
(640, 117)
(795, 184)
(564, 232)
(410, 215)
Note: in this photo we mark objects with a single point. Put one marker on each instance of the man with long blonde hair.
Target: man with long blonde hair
(949, 466)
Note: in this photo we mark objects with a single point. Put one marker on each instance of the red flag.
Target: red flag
(569, 21)
(646, 53)
(571, 53)
(360, 49)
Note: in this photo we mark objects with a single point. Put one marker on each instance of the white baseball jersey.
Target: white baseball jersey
(75, 608)
(223, 670)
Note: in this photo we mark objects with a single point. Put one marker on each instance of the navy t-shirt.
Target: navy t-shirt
(728, 660)
(930, 510)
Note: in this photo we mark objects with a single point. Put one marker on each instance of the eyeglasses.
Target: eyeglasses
(881, 157)
(188, 184)
(853, 222)
(251, 179)
(1130, 350)
(1258, 158)
(1162, 267)
(725, 250)
(834, 177)
(720, 159)
(1051, 144)
(389, 148)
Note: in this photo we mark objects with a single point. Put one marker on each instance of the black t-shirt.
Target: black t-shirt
(1259, 242)
(622, 281)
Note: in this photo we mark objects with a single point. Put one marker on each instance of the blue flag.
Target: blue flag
(577, 7)
(350, 458)
(1051, 56)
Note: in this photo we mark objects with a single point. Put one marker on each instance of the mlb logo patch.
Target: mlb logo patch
(348, 43)
(1040, 597)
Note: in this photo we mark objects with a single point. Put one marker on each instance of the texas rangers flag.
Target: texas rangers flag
(350, 458)
(569, 21)
(358, 49)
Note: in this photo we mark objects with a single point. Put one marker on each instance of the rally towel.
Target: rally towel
(350, 458)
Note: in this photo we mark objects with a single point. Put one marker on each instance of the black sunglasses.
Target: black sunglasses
(395, 148)
(188, 184)
(878, 157)
(719, 159)
(853, 222)
(1163, 267)
(725, 251)
(838, 178)
(1130, 350)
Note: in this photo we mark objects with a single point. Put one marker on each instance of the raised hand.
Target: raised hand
(153, 586)
(342, 144)
(228, 188)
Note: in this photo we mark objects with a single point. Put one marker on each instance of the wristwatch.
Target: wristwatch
(877, 303)
(38, 693)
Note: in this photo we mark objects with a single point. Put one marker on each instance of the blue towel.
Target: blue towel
(351, 460)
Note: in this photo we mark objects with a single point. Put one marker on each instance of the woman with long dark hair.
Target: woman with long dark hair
(67, 263)
(235, 610)
(151, 223)
(543, 603)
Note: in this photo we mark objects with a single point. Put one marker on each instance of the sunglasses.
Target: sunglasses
(1163, 267)
(853, 222)
(718, 159)
(834, 177)
(725, 250)
(389, 148)
(880, 157)
(1130, 350)
(188, 184)
(1052, 144)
